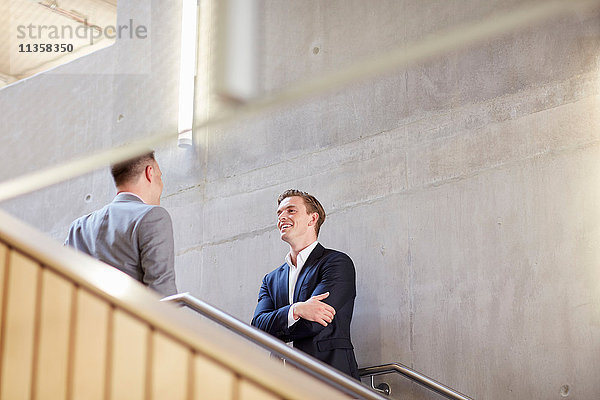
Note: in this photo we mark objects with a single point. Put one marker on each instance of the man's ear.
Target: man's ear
(314, 217)
(149, 173)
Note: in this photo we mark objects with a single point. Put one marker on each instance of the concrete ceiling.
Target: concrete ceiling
(27, 23)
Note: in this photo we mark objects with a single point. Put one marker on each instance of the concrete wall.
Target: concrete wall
(108, 98)
(466, 189)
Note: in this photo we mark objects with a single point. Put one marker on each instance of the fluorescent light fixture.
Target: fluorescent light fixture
(187, 71)
(238, 33)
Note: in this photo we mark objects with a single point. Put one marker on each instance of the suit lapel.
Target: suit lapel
(310, 263)
(283, 284)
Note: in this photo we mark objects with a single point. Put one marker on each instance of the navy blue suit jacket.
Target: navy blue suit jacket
(325, 270)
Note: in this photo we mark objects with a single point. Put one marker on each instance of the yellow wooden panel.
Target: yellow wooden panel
(170, 369)
(17, 353)
(3, 268)
(55, 323)
(212, 381)
(250, 391)
(90, 352)
(3, 251)
(129, 357)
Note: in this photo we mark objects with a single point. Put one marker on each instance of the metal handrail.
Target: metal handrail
(413, 375)
(300, 360)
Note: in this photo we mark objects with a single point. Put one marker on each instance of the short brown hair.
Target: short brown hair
(311, 203)
(127, 171)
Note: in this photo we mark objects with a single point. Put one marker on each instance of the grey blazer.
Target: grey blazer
(132, 236)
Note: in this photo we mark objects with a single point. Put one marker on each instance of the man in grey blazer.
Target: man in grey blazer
(133, 233)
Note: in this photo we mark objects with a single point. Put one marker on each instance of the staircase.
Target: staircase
(71, 328)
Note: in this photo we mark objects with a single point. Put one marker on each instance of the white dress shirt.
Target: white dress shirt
(293, 273)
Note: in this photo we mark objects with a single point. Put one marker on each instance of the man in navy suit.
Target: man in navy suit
(309, 300)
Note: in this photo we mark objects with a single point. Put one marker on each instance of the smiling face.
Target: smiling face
(296, 226)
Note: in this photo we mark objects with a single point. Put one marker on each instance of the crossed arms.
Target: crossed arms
(335, 289)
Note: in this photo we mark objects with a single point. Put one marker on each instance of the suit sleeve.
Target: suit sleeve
(269, 319)
(157, 254)
(338, 278)
(69, 239)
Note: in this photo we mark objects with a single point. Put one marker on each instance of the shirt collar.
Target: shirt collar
(302, 256)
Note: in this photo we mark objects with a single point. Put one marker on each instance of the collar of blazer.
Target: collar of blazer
(127, 196)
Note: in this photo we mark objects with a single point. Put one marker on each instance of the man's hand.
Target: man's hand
(315, 310)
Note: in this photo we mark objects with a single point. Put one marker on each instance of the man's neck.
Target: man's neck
(296, 249)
